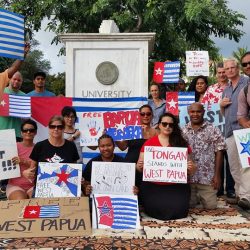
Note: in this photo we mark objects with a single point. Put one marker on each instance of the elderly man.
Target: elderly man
(244, 121)
(229, 107)
(207, 145)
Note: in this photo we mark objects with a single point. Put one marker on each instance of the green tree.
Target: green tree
(180, 25)
(239, 53)
(56, 83)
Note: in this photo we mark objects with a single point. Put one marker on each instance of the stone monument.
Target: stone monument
(107, 64)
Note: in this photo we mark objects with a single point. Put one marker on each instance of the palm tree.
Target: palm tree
(239, 53)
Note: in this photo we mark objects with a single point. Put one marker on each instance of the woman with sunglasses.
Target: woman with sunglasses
(166, 201)
(70, 132)
(157, 104)
(21, 188)
(134, 146)
(55, 149)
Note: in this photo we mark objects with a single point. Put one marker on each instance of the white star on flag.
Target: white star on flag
(158, 71)
(120, 126)
(33, 211)
(3, 103)
(172, 103)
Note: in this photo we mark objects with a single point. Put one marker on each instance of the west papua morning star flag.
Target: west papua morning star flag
(46, 211)
(166, 72)
(11, 35)
(15, 106)
(174, 100)
(115, 211)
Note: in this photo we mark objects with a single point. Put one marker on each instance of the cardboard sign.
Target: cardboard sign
(74, 219)
(112, 177)
(212, 115)
(58, 180)
(242, 139)
(115, 211)
(197, 63)
(8, 150)
(165, 164)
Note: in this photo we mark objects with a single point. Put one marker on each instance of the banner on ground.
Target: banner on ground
(73, 220)
(166, 72)
(112, 177)
(212, 115)
(8, 150)
(11, 35)
(58, 180)
(165, 164)
(115, 211)
(175, 100)
(197, 63)
(242, 139)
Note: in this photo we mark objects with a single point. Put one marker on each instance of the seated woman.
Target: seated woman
(55, 149)
(106, 146)
(70, 132)
(22, 187)
(166, 201)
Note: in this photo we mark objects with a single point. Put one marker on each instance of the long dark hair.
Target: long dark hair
(175, 138)
(192, 86)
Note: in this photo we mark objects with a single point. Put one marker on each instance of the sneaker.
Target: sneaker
(231, 195)
(232, 201)
(244, 203)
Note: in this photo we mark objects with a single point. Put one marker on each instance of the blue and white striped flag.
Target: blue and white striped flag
(11, 34)
(51, 211)
(171, 72)
(19, 106)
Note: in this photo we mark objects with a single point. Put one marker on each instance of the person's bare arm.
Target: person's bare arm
(17, 64)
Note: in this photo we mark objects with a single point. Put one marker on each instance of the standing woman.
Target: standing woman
(55, 149)
(70, 132)
(157, 104)
(22, 187)
(134, 146)
(199, 85)
(166, 201)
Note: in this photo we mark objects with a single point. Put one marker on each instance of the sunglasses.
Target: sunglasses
(245, 64)
(167, 124)
(145, 114)
(31, 130)
(59, 127)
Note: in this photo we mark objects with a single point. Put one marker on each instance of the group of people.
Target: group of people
(206, 145)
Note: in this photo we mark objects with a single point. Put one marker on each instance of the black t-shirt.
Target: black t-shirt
(45, 152)
(87, 171)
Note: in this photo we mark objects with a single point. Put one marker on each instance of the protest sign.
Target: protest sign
(212, 115)
(115, 211)
(165, 164)
(197, 63)
(112, 177)
(58, 180)
(242, 139)
(73, 220)
(8, 150)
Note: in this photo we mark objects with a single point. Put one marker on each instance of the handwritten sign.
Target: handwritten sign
(115, 211)
(8, 150)
(112, 177)
(58, 180)
(74, 219)
(197, 63)
(91, 127)
(123, 125)
(212, 115)
(242, 139)
(165, 164)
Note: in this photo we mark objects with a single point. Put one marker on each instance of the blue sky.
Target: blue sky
(226, 46)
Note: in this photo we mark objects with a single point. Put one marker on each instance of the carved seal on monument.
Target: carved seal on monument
(107, 73)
